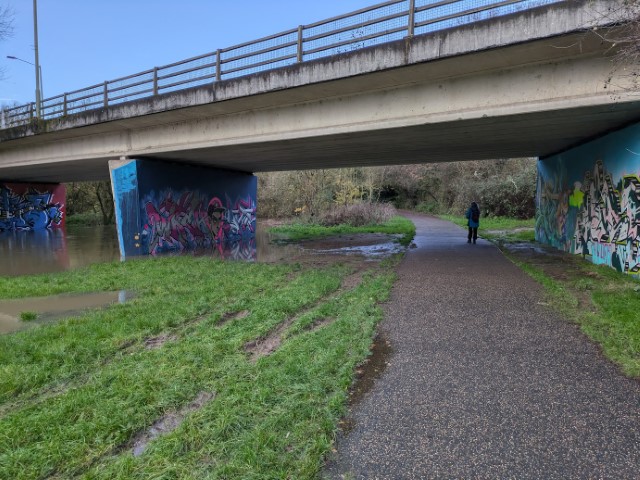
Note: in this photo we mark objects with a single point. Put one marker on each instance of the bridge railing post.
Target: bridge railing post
(300, 44)
(218, 65)
(155, 80)
(412, 18)
(106, 94)
(3, 122)
(64, 105)
(32, 110)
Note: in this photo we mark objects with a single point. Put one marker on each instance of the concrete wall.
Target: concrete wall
(166, 207)
(31, 206)
(589, 200)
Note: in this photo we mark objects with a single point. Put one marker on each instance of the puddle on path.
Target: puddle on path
(54, 307)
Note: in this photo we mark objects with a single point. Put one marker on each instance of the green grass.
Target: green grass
(84, 220)
(499, 229)
(602, 301)
(297, 232)
(74, 394)
(493, 223)
(28, 316)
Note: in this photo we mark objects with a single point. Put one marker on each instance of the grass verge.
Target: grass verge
(297, 232)
(500, 228)
(603, 302)
(75, 395)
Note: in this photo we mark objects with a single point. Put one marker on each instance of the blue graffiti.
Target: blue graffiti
(32, 210)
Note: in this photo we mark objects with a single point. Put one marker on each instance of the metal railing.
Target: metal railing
(380, 23)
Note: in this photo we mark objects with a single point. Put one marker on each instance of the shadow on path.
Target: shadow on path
(484, 381)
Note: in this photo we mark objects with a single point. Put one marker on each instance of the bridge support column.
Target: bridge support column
(588, 200)
(166, 207)
(31, 206)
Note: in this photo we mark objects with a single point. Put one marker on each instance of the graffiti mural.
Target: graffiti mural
(195, 221)
(165, 208)
(594, 212)
(28, 207)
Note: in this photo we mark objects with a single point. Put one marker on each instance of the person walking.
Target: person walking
(473, 222)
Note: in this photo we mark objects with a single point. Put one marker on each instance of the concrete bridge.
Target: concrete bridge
(534, 82)
(527, 84)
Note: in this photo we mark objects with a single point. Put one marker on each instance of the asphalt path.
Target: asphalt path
(485, 381)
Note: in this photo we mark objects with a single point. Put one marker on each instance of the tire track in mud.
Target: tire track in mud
(266, 345)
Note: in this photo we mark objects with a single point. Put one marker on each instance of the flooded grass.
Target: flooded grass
(115, 386)
(46, 309)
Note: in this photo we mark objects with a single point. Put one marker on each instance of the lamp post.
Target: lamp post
(37, 60)
(37, 64)
(39, 86)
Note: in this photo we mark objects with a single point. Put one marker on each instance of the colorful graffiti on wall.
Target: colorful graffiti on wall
(27, 207)
(597, 214)
(191, 221)
(168, 207)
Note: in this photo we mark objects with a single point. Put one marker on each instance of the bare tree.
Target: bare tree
(6, 27)
(630, 45)
(6, 22)
(625, 39)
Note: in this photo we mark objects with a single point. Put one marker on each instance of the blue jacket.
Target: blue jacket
(470, 222)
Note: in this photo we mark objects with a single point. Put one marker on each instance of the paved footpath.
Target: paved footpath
(485, 381)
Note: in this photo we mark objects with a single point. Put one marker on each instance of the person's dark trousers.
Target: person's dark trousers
(473, 233)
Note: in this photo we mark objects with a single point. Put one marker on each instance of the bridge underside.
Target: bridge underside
(524, 135)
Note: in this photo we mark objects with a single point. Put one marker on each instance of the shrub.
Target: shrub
(358, 214)
(513, 196)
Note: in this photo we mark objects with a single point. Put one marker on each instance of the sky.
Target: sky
(85, 42)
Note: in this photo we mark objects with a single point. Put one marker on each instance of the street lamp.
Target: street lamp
(39, 88)
(37, 64)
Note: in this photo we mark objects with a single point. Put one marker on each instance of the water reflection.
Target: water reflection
(45, 251)
(25, 253)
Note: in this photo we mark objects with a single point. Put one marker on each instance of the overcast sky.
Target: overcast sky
(85, 42)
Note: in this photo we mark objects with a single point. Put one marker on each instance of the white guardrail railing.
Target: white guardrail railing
(380, 23)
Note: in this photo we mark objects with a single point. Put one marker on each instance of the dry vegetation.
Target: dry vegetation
(502, 187)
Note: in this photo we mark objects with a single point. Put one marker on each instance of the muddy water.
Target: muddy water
(54, 307)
